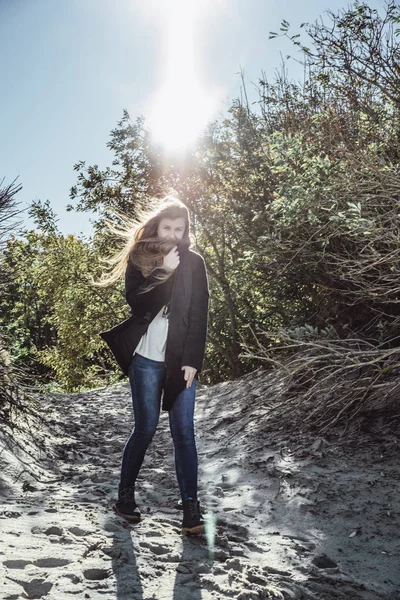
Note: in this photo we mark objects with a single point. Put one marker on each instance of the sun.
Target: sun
(180, 112)
(182, 104)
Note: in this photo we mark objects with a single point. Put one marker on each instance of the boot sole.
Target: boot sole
(135, 518)
(192, 530)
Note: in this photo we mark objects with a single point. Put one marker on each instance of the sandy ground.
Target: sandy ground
(288, 515)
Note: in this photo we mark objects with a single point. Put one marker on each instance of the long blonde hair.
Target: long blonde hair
(143, 248)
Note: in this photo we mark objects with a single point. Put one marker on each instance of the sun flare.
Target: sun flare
(182, 105)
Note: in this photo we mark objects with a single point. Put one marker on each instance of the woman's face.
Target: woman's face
(173, 229)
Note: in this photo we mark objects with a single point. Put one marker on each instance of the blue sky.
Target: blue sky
(70, 67)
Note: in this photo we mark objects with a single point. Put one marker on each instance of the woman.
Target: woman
(167, 289)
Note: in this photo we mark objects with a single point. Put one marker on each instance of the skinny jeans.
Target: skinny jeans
(146, 378)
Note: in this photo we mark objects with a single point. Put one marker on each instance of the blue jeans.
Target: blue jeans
(146, 377)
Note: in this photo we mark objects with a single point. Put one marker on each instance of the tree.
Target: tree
(56, 314)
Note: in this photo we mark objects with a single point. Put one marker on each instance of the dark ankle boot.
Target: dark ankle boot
(192, 520)
(126, 506)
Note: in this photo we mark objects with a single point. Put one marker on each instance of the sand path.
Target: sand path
(288, 516)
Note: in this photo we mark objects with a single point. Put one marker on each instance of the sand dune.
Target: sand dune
(288, 516)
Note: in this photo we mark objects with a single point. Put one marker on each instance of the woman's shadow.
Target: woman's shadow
(187, 585)
(124, 566)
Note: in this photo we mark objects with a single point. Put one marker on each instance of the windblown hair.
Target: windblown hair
(143, 248)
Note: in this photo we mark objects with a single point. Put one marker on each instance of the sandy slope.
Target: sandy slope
(295, 517)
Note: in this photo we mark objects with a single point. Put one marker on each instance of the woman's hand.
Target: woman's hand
(171, 260)
(190, 372)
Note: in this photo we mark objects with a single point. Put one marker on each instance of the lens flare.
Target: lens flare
(183, 104)
(210, 526)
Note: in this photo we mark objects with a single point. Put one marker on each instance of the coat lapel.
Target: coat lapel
(180, 303)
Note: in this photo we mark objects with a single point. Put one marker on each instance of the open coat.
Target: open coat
(188, 290)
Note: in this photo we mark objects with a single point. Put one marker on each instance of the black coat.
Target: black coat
(188, 291)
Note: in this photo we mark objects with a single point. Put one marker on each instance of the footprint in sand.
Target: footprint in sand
(79, 532)
(43, 563)
(324, 562)
(16, 564)
(51, 563)
(73, 578)
(97, 574)
(36, 588)
(155, 548)
(9, 514)
(112, 526)
(53, 530)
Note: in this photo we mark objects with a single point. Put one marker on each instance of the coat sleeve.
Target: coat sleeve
(193, 353)
(136, 285)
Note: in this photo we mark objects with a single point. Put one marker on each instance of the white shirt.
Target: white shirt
(152, 344)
